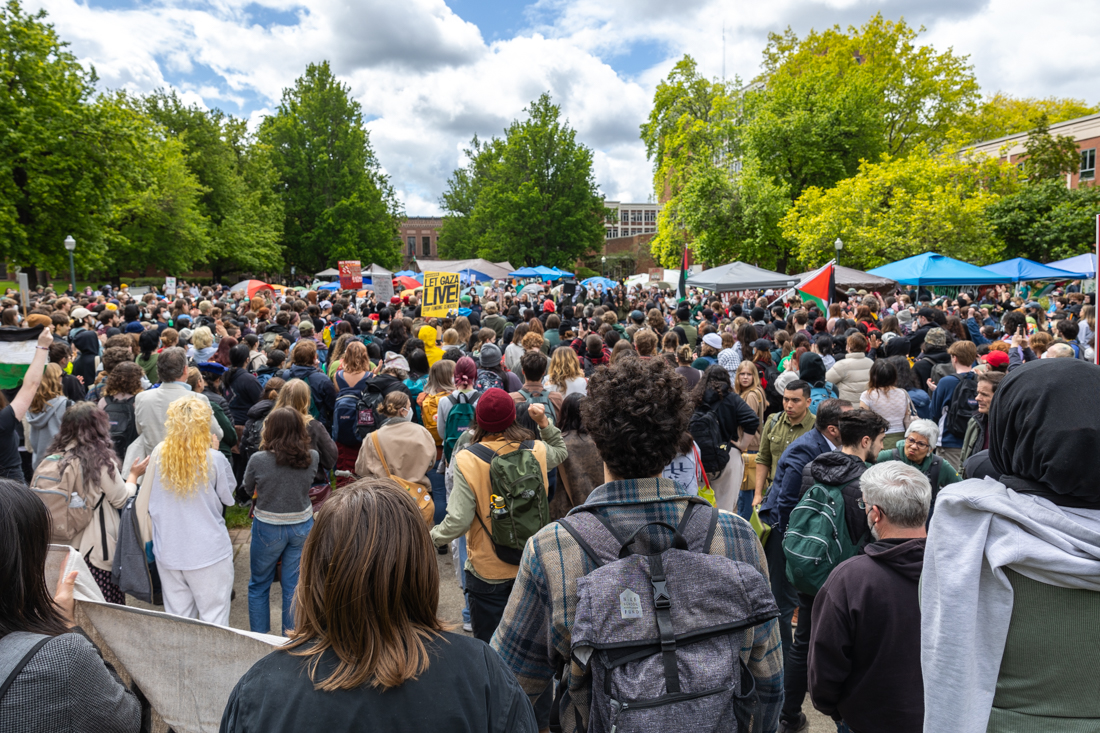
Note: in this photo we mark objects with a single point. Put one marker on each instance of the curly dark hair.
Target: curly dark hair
(717, 379)
(286, 436)
(85, 437)
(633, 408)
(124, 379)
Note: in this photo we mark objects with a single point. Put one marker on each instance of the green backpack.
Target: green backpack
(518, 503)
(541, 398)
(459, 419)
(817, 540)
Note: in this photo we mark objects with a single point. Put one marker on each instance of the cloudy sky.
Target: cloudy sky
(430, 73)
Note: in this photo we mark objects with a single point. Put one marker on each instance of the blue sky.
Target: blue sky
(430, 73)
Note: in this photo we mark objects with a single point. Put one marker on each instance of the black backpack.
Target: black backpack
(964, 405)
(250, 438)
(707, 434)
(123, 423)
(367, 419)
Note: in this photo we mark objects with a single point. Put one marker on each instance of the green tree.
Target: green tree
(457, 237)
(53, 165)
(899, 207)
(338, 204)
(1002, 115)
(534, 197)
(239, 199)
(1047, 221)
(1048, 156)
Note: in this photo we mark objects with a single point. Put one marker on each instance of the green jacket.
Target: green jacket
(973, 439)
(948, 475)
(778, 433)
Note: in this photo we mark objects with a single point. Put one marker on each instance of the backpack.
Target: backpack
(820, 394)
(658, 637)
(365, 418)
(518, 504)
(487, 380)
(540, 398)
(63, 493)
(250, 438)
(458, 420)
(964, 405)
(816, 539)
(589, 367)
(429, 410)
(940, 371)
(422, 496)
(123, 423)
(707, 434)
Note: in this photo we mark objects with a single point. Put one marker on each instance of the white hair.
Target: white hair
(929, 430)
(899, 490)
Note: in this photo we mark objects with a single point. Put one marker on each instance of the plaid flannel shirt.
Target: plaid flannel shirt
(534, 635)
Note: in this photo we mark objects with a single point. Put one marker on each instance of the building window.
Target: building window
(1088, 164)
(650, 216)
(427, 244)
(412, 246)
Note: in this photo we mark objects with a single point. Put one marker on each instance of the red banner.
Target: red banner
(351, 275)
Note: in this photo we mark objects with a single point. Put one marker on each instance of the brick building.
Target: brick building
(420, 237)
(1084, 130)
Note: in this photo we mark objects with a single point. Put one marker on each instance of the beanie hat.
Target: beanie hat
(548, 306)
(495, 411)
(936, 337)
(38, 319)
(758, 314)
(134, 327)
(465, 372)
(490, 356)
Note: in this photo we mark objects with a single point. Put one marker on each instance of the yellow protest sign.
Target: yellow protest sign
(441, 293)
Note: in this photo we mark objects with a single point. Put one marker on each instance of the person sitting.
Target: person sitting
(865, 640)
(1009, 589)
(368, 644)
(57, 676)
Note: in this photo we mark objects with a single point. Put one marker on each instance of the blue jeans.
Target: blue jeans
(271, 543)
(462, 578)
(842, 727)
(744, 504)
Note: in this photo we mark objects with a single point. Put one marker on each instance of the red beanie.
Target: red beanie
(495, 411)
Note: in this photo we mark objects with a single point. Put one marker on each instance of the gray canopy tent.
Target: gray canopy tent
(740, 276)
(846, 277)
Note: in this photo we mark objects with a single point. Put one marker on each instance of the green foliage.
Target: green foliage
(529, 198)
(1047, 221)
(583, 273)
(338, 204)
(1002, 115)
(1048, 156)
(901, 207)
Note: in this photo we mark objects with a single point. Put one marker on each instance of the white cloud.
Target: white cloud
(428, 81)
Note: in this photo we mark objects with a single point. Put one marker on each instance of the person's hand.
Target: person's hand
(63, 595)
(757, 499)
(538, 414)
(215, 441)
(80, 378)
(137, 470)
(931, 384)
(46, 337)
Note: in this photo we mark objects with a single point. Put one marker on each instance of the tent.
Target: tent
(547, 273)
(405, 273)
(330, 272)
(251, 287)
(334, 286)
(408, 283)
(562, 272)
(490, 270)
(930, 268)
(525, 272)
(846, 277)
(1082, 266)
(1023, 270)
(740, 276)
(594, 281)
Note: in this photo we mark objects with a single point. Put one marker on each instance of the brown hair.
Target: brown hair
(355, 358)
(285, 436)
(368, 589)
(965, 352)
(645, 342)
(532, 341)
(124, 379)
(857, 343)
(48, 388)
(272, 388)
(305, 351)
(169, 337)
(394, 403)
(295, 395)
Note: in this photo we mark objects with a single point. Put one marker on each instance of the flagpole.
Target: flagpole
(786, 293)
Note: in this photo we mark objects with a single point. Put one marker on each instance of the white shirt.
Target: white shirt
(189, 532)
(684, 470)
(576, 385)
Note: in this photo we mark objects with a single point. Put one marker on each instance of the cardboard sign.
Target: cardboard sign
(170, 286)
(351, 274)
(441, 294)
(24, 290)
(383, 286)
(655, 274)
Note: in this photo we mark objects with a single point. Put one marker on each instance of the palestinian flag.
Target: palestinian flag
(681, 286)
(817, 287)
(16, 352)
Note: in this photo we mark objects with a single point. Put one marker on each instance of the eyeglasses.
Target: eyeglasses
(916, 443)
(863, 505)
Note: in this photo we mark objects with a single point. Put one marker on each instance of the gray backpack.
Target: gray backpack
(659, 635)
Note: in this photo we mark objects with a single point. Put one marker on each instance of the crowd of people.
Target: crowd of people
(663, 512)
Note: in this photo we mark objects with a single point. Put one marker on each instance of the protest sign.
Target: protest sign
(170, 286)
(351, 274)
(383, 286)
(441, 293)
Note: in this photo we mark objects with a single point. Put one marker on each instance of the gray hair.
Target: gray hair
(929, 430)
(171, 365)
(899, 490)
(1059, 351)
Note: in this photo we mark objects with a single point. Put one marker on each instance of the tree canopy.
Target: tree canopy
(1046, 221)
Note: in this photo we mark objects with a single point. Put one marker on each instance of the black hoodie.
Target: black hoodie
(840, 469)
(864, 658)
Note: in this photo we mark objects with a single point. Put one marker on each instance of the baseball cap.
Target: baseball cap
(995, 359)
(79, 314)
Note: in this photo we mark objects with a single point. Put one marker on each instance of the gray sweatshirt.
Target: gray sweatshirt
(282, 492)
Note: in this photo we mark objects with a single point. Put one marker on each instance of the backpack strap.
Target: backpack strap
(17, 649)
(482, 451)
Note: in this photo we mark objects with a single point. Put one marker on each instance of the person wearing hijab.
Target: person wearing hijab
(428, 335)
(1010, 593)
(86, 365)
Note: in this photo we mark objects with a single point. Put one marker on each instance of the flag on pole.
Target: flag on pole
(681, 286)
(817, 287)
(16, 353)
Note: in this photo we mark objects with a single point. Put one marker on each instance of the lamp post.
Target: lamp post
(70, 244)
(839, 246)
(603, 266)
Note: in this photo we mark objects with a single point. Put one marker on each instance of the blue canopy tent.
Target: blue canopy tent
(1021, 269)
(1083, 266)
(546, 273)
(469, 276)
(597, 280)
(525, 272)
(330, 286)
(406, 273)
(933, 269)
(562, 272)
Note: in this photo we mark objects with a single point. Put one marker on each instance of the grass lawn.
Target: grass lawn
(236, 517)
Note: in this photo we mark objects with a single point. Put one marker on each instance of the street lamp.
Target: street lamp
(70, 244)
(839, 246)
(603, 266)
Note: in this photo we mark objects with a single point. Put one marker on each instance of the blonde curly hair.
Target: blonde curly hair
(183, 461)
